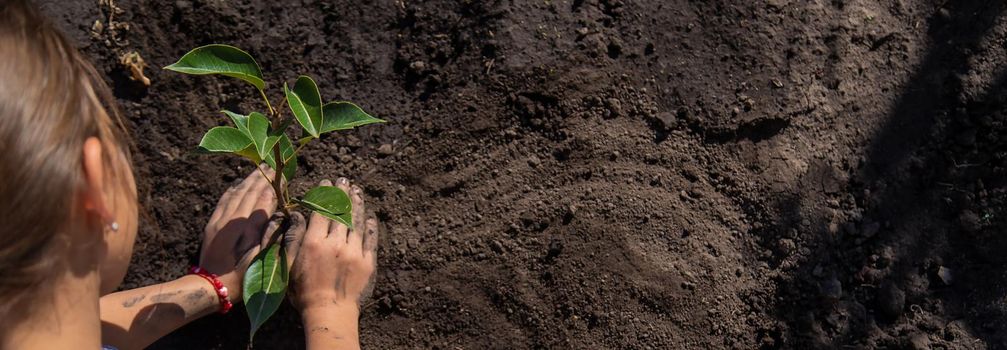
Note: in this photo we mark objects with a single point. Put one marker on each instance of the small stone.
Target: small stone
(386, 150)
(955, 330)
(582, 31)
(777, 83)
(946, 275)
(919, 341)
(418, 66)
(615, 106)
(667, 120)
(97, 28)
(749, 104)
(786, 245)
(352, 141)
(496, 246)
(534, 161)
(944, 13)
(571, 210)
(892, 300)
(182, 5)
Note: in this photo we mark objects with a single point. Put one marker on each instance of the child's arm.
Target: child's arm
(333, 272)
(134, 319)
(331, 327)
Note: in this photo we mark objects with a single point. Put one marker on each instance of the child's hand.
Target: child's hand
(236, 229)
(335, 265)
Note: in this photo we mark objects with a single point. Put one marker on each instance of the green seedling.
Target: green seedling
(262, 138)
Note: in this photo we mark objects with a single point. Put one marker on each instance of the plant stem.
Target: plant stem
(278, 185)
(264, 98)
(265, 176)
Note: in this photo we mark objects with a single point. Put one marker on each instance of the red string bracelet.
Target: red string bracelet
(225, 303)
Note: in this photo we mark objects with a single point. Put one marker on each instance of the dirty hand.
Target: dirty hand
(237, 229)
(335, 265)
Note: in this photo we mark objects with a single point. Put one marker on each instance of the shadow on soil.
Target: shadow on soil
(914, 257)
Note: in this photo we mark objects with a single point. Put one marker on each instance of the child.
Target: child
(69, 219)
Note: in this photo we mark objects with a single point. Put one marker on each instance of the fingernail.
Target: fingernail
(342, 181)
(325, 183)
(356, 190)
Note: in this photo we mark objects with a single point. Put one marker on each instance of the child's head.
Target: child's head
(64, 166)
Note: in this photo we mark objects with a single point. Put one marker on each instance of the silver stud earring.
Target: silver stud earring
(114, 226)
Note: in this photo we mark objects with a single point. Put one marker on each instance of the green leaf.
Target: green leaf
(290, 168)
(224, 139)
(255, 126)
(306, 103)
(330, 202)
(258, 131)
(265, 285)
(250, 153)
(289, 159)
(343, 116)
(220, 59)
(302, 141)
(240, 121)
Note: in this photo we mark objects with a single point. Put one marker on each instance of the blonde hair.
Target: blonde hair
(51, 101)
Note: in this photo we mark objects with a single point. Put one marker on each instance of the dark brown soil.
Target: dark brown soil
(591, 174)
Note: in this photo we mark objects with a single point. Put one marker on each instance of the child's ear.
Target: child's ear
(93, 195)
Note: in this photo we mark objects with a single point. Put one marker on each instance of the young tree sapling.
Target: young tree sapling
(262, 138)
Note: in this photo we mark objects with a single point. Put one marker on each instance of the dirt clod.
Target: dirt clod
(919, 341)
(946, 275)
(891, 300)
(386, 150)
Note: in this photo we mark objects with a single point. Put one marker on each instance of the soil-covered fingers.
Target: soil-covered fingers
(231, 199)
(252, 241)
(224, 202)
(371, 237)
(318, 226)
(338, 231)
(258, 196)
(370, 258)
(293, 238)
(359, 218)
